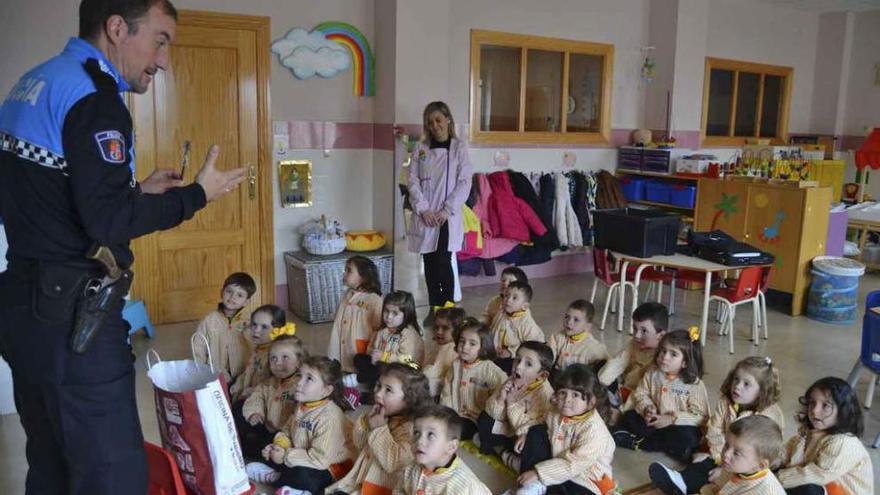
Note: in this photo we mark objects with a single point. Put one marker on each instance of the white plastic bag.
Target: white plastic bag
(197, 427)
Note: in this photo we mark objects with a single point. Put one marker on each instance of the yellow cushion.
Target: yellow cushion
(364, 240)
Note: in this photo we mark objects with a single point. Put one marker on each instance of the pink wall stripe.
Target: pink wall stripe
(319, 135)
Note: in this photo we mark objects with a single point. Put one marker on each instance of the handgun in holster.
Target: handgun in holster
(101, 296)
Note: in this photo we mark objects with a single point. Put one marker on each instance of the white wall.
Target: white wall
(433, 48)
(690, 62)
(863, 97)
(342, 188)
(830, 77)
(755, 31)
(662, 34)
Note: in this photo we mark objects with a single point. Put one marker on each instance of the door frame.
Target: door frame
(260, 26)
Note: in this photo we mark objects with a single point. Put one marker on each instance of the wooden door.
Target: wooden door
(214, 91)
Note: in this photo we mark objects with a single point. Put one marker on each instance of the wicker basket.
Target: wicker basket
(321, 245)
(314, 284)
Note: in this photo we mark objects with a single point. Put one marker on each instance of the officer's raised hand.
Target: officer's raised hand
(161, 180)
(215, 182)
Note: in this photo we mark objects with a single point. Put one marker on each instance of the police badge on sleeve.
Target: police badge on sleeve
(112, 146)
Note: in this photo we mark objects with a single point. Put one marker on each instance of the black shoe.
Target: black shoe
(625, 440)
(662, 479)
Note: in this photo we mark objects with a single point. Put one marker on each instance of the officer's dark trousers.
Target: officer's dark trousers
(78, 411)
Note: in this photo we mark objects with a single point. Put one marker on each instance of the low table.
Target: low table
(681, 262)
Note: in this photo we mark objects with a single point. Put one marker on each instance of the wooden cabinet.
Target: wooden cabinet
(787, 221)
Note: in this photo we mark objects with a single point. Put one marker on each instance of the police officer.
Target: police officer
(66, 184)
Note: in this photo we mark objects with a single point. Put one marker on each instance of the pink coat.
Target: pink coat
(493, 246)
(510, 216)
(438, 180)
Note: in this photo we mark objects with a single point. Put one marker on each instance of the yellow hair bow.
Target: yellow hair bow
(282, 440)
(694, 333)
(448, 304)
(408, 360)
(288, 329)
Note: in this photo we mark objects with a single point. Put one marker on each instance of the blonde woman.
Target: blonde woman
(439, 183)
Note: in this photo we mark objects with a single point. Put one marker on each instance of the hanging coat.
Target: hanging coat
(473, 235)
(523, 189)
(438, 179)
(493, 245)
(567, 226)
(579, 202)
(509, 216)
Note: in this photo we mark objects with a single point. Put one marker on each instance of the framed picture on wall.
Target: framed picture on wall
(295, 183)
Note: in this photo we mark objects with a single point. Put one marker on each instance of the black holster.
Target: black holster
(99, 298)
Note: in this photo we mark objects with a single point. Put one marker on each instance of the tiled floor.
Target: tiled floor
(803, 349)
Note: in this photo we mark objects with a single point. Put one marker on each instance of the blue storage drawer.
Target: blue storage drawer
(657, 192)
(633, 189)
(683, 195)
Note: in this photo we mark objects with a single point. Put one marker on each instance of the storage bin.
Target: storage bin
(657, 192)
(633, 189)
(636, 232)
(314, 283)
(834, 292)
(657, 161)
(629, 158)
(683, 195)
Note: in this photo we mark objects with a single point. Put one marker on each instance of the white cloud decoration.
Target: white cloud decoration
(308, 54)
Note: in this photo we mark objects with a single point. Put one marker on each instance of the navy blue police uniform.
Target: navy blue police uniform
(67, 183)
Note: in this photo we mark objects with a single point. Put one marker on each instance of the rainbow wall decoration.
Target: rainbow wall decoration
(364, 81)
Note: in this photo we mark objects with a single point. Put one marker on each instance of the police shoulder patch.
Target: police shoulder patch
(111, 144)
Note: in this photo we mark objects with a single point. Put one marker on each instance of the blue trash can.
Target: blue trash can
(834, 291)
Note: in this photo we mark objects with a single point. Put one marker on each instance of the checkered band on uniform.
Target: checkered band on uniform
(32, 152)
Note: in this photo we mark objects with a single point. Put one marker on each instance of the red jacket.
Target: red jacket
(510, 216)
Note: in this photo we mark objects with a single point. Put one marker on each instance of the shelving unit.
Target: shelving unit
(687, 214)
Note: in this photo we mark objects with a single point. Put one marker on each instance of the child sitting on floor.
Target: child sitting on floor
(473, 377)
(223, 327)
(399, 340)
(752, 447)
(576, 343)
(359, 314)
(571, 452)
(669, 407)
(827, 455)
(437, 470)
(508, 276)
(518, 404)
(514, 324)
(622, 373)
(446, 324)
(751, 387)
(313, 449)
(268, 322)
(383, 434)
(271, 403)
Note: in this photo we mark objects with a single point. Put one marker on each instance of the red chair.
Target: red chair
(746, 290)
(655, 278)
(603, 273)
(164, 477)
(762, 299)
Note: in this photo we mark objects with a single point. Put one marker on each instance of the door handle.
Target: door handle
(252, 182)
